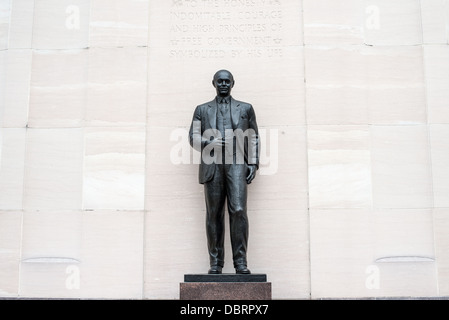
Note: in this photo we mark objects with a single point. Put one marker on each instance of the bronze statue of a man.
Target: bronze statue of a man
(225, 131)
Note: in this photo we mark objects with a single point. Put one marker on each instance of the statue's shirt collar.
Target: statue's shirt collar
(223, 100)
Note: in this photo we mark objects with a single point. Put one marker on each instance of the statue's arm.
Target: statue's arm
(195, 137)
(254, 141)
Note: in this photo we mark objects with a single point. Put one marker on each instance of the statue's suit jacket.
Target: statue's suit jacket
(243, 118)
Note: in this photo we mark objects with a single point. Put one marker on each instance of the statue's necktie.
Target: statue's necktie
(224, 107)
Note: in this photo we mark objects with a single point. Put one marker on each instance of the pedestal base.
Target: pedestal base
(225, 287)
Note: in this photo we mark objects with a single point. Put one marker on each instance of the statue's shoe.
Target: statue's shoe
(242, 269)
(215, 270)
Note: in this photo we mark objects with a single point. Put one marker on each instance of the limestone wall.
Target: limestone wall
(98, 186)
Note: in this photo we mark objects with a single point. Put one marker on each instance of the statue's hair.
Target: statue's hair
(223, 70)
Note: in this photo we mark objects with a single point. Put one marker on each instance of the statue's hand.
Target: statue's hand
(217, 143)
(252, 169)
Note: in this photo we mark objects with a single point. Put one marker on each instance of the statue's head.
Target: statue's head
(223, 82)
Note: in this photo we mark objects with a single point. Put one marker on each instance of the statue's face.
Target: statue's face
(223, 83)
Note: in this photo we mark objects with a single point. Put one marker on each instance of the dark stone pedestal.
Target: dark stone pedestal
(225, 287)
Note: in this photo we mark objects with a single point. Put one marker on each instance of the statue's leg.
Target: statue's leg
(215, 194)
(238, 218)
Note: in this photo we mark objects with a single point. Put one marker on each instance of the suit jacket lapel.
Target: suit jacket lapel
(212, 114)
(235, 113)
